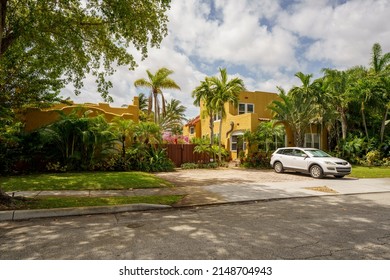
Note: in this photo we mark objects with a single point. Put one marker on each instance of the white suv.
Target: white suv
(308, 160)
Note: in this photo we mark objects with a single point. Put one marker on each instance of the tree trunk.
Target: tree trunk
(298, 138)
(384, 123)
(155, 107)
(364, 120)
(211, 125)
(220, 141)
(343, 125)
(150, 104)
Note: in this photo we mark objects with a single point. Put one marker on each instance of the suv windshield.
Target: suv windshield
(317, 153)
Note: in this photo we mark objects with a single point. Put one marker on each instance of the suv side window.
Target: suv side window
(298, 153)
(287, 152)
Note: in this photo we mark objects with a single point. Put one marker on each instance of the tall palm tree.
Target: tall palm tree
(224, 91)
(294, 110)
(309, 93)
(379, 62)
(360, 87)
(203, 94)
(308, 90)
(380, 71)
(336, 85)
(156, 83)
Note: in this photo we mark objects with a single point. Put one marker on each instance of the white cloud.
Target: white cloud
(263, 42)
(235, 36)
(343, 34)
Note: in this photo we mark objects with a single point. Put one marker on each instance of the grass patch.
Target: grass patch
(83, 181)
(370, 172)
(65, 202)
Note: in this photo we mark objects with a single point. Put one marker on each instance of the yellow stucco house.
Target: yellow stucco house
(250, 112)
(35, 118)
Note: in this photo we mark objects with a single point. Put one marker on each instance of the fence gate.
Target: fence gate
(183, 153)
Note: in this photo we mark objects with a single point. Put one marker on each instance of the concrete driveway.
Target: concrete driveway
(226, 185)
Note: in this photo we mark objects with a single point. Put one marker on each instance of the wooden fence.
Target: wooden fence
(183, 153)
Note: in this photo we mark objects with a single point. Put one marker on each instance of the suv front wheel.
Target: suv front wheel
(278, 167)
(316, 171)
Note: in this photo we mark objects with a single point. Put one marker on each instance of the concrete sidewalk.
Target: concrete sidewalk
(214, 191)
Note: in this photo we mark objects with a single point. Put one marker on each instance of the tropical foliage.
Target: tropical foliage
(174, 117)
(156, 83)
(215, 92)
(79, 141)
(267, 137)
(204, 94)
(45, 45)
(352, 105)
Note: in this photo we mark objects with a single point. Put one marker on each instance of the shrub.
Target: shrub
(386, 161)
(210, 165)
(373, 158)
(189, 165)
(146, 158)
(56, 167)
(256, 160)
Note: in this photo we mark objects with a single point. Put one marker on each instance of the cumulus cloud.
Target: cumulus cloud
(263, 42)
(235, 35)
(343, 34)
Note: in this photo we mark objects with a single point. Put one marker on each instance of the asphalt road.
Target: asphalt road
(331, 227)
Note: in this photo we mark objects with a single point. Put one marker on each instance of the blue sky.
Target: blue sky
(264, 42)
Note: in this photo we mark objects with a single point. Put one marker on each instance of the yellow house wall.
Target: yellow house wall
(35, 118)
(243, 122)
(197, 134)
(248, 121)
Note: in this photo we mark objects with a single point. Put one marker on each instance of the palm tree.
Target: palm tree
(143, 106)
(336, 85)
(310, 94)
(360, 87)
(308, 90)
(379, 63)
(174, 117)
(142, 102)
(294, 111)
(156, 83)
(124, 130)
(380, 71)
(203, 95)
(224, 91)
(148, 133)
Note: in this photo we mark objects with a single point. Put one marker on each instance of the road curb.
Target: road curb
(17, 215)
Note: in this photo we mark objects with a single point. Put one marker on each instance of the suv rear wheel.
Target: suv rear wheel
(316, 171)
(278, 167)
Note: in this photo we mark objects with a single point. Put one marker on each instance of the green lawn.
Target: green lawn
(82, 181)
(370, 172)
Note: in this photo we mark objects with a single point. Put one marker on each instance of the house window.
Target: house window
(217, 117)
(312, 140)
(237, 143)
(192, 130)
(244, 108)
